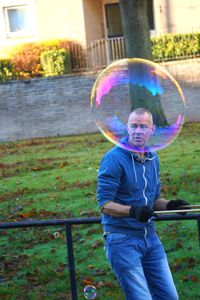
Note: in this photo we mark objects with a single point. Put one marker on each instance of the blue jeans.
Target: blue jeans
(141, 266)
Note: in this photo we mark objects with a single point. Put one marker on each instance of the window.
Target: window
(18, 20)
(113, 20)
(150, 14)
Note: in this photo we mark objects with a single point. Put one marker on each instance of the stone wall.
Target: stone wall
(57, 106)
(46, 107)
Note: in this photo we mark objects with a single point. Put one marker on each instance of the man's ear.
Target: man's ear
(127, 126)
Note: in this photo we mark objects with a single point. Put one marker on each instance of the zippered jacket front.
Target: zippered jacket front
(126, 179)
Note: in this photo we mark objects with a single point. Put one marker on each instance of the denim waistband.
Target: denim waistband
(146, 231)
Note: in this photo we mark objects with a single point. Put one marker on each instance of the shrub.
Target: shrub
(172, 46)
(7, 71)
(55, 62)
(26, 60)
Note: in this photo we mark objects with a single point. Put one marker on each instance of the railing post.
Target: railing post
(198, 226)
(71, 265)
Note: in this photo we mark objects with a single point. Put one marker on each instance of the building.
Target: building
(86, 21)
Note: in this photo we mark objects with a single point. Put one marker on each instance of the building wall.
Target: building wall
(176, 15)
(94, 24)
(169, 16)
(60, 19)
(56, 106)
(50, 19)
(84, 20)
(7, 42)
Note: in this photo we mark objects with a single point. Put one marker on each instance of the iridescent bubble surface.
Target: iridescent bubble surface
(132, 83)
(90, 292)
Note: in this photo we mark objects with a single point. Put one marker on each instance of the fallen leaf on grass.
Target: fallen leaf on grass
(90, 267)
(35, 213)
(179, 244)
(192, 278)
(97, 244)
(88, 281)
(191, 262)
(64, 164)
(105, 283)
(88, 213)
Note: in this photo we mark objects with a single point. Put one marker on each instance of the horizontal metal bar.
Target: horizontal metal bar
(176, 211)
(176, 217)
(190, 206)
(43, 223)
(91, 220)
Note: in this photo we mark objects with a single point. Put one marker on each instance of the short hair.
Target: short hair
(141, 111)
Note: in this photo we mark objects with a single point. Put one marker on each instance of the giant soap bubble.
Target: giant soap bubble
(132, 83)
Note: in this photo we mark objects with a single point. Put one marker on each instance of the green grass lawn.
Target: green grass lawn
(55, 178)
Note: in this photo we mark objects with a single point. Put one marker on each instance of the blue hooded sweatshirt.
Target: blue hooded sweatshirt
(126, 179)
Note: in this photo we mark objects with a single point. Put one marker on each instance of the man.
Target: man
(128, 193)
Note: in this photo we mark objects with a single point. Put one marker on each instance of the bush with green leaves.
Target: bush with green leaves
(28, 60)
(173, 46)
(7, 71)
(26, 57)
(55, 62)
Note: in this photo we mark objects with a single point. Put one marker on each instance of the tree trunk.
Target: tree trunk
(135, 26)
(136, 32)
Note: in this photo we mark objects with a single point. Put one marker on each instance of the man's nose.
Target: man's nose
(138, 130)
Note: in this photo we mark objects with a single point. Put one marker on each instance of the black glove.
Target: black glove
(176, 204)
(142, 213)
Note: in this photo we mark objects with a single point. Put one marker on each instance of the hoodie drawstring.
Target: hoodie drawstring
(133, 162)
(154, 163)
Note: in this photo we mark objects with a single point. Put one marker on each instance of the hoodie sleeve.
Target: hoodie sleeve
(108, 179)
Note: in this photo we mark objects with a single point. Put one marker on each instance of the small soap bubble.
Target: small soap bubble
(90, 292)
(56, 235)
(137, 83)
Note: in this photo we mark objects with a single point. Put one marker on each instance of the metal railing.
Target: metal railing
(77, 221)
(100, 53)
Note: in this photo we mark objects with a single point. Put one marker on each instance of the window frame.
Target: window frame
(107, 6)
(9, 33)
(151, 17)
(29, 31)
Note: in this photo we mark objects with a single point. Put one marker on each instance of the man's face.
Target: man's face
(140, 128)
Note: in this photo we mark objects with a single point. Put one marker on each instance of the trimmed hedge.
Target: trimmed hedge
(173, 46)
(57, 57)
(7, 71)
(26, 60)
(55, 62)
(27, 57)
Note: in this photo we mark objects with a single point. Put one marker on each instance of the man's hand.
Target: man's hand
(177, 204)
(142, 213)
